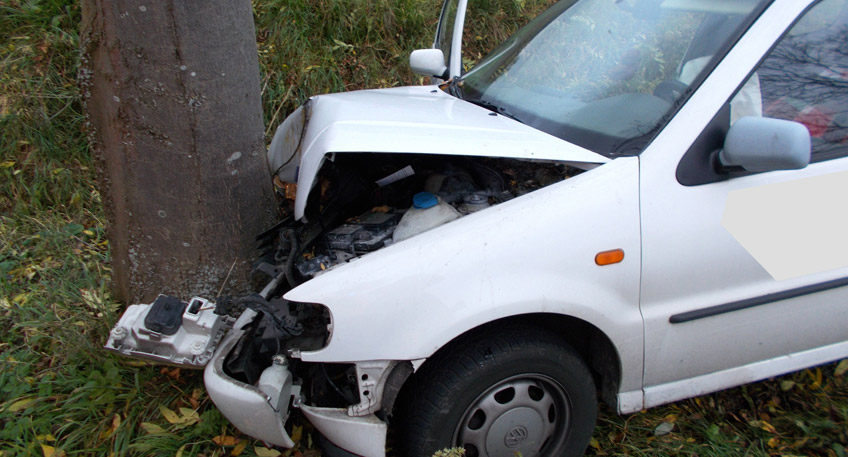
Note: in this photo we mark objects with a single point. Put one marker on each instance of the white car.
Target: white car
(631, 201)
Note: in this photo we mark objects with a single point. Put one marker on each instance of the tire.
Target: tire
(499, 393)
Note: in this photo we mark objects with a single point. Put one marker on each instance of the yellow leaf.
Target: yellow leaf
(48, 437)
(297, 432)
(50, 451)
(841, 368)
(88, 232)
(21, 405)
(594, 443)
(152, 429)
(180, 451)
(767, 427)
(170, 416)
(265, 452)
(116, 422)
(190, 416)
(7, 164)
(773, 442)
(239, 448)
(225, 440)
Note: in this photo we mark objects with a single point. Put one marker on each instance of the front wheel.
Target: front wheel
(502, 393)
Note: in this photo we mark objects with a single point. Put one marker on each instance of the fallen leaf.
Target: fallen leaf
(172, 373)
(664, 429)
(786, 385)
(265, 452)
(225, 440)
(594, 443)
(180, 451)
(240, 447)
(195, 397)
(50, 451)
(297, 432)
(21, 405)
(841, 368)
(170, 416)
(767, 427)
(615, 437)
(116, 422)
(189, 416)
(152, 429)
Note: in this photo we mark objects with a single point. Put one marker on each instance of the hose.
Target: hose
(295, 248)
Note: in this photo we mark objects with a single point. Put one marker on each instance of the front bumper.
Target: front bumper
(261, 411)
(246, 406)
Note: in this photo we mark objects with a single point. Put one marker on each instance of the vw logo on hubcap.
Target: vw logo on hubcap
(515, 437)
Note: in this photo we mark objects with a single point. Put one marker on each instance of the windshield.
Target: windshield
(603, 73)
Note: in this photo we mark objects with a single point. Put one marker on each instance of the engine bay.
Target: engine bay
(360, 200)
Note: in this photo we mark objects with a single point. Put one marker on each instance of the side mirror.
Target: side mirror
(766, 144)
(428, 62)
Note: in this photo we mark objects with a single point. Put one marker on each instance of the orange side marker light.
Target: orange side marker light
(609, 257)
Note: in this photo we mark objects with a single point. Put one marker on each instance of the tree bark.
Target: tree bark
(172, 95)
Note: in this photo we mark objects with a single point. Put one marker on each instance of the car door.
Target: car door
(744, 274)
(449, 34)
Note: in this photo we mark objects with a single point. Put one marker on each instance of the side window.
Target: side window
(805, 79)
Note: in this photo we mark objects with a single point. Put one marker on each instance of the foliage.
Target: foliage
(61, 394)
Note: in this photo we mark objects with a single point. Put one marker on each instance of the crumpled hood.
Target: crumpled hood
(405, 120)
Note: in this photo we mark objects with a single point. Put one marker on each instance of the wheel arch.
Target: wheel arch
(591, 343)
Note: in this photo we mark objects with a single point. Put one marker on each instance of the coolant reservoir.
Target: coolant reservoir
(428, 211)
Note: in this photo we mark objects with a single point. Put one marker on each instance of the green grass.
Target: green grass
(60, 393)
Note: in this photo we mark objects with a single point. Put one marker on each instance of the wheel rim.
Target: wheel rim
(527, 415)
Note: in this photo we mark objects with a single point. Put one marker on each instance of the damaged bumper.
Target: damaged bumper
(193, 335)
(258, 411)
(364, 436)
(261, 411)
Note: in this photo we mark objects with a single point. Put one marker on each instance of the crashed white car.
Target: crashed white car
(632, 201)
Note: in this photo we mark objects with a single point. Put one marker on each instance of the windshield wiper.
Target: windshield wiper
(494, 108)
(455, 88)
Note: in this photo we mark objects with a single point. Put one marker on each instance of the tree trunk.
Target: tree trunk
(172, 95)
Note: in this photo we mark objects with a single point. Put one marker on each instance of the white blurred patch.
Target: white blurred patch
(794, 228)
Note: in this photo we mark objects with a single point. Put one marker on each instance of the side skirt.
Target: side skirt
(712, 382)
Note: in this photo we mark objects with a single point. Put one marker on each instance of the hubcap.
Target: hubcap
(526, 414)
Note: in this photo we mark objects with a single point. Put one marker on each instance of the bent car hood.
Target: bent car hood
(406, 120)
